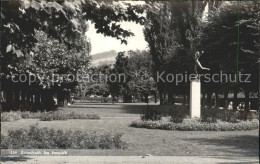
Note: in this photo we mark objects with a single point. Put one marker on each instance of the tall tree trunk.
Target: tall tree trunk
(161, 98)
(164, 98)
(209, 101)
(203, 99)
(16, 97)
(247, 101)
(155, 98)
(235, 99)
(170, 97)
(8, 97)
(113, 98)
(226, 98)
(184, 99)
(216, 100)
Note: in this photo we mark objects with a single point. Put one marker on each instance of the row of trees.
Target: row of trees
(130, 77)
(176, 30)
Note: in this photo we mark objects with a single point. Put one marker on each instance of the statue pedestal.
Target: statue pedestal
(195, 98)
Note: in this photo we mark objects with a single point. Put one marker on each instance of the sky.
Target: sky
(100, 43)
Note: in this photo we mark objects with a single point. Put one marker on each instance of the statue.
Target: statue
(197, 63)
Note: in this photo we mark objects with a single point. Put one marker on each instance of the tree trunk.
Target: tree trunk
(170, 97)
(164, 98)
(209, 102)
(247, 101)
(216, 100)
(203, 99)
(226, 98)
(155, 98)
(235, 99)
(8, 97)
(184, 99)
(161, 98)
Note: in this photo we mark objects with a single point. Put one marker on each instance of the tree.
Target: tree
(170, 30)
(141, 70)
(63, 20)
(219, 38)
(120, 82)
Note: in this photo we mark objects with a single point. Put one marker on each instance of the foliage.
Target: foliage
(151, 113)
(142, 78)
(65, 24)
(10, 116)
(219, 39)
(170, 31)
(212, 115)
(132, 76)
(22, 17)
(178, 113)
(98, 89)
(74, 115)
(61, 115)
(196, 125)
(27, 114)
(54, 115)
(120, 82)
(45, 138)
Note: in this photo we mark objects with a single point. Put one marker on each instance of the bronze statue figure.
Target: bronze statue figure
(197, 63)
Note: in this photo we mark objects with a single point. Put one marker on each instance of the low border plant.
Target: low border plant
(10, 116)
(197, 125)
(46, 138)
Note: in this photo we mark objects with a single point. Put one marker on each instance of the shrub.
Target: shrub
(45, 138)
(196, 125)
(74, 115)
(212, 115)
(27, 114)
(178, 113)
(53, 115)
(10, 116)
(61, 115)
(151, 113)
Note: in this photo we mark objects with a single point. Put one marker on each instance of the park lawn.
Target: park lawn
(117, 118)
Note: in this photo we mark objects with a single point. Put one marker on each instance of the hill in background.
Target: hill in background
(107, 57)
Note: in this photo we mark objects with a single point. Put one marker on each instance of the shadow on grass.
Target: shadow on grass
(14, 159)
(130, 108)
(139, 109)
(245, 145)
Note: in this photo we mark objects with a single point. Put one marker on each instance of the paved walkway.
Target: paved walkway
(130, 159)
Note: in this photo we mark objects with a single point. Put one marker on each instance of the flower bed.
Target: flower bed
(45, 138)
(47, 116)
(196, 125)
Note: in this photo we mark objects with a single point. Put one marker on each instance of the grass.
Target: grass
(117, 118)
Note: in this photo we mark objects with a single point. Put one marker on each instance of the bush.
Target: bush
(61, 115)
(53, 115)
(178, 113)
(45, 138)
(196, 125)
(151, 113)
(74, 115)
(10, 116)
(212, 115)
(27, 114)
